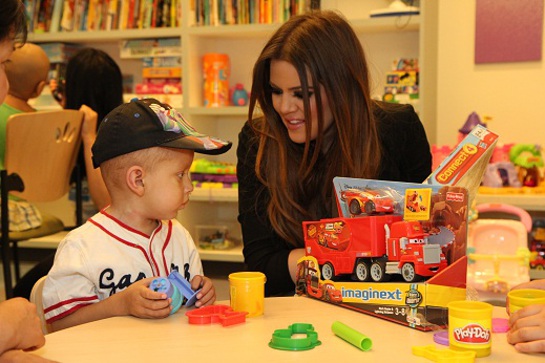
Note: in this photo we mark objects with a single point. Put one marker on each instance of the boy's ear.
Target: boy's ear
(135, 180)
(38, 89)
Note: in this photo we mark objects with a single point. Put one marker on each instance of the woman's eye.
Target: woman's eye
(276, 91)
(299, 94)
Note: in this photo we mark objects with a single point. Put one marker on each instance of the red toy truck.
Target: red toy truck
(372, 248)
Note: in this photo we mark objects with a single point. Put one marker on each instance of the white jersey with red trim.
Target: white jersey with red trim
(105, 256)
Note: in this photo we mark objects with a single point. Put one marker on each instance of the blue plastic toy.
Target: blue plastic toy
(239, 95)
(176, 287)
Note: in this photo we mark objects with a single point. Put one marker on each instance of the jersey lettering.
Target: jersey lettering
(107, 276)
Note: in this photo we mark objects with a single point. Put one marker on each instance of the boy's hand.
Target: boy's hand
(527, 329)
(142, 302)
(207, 295)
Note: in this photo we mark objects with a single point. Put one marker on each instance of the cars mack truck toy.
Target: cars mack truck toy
(372, 248)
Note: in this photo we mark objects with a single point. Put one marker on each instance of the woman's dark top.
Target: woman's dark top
(406, 157)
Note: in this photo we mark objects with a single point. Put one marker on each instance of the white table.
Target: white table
(128, 339)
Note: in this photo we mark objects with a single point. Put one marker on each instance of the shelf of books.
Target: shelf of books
(104, 36)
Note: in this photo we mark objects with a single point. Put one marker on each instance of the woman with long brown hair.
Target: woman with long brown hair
(311, 82)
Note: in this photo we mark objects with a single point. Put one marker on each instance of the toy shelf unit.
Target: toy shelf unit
(384, 39)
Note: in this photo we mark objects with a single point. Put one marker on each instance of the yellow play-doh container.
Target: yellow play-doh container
(519, 298)
(470, 326)
(247, 292)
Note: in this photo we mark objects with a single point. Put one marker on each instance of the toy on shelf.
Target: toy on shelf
(396, 8)
(537, 245)
(213, 174)
(214, 237)
(501, 172)
(528, 159)
(472, 120)
(402, 82)
(498, 250)
(515, 168)
(239, 96)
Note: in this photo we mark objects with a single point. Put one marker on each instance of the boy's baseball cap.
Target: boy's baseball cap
(145, 123)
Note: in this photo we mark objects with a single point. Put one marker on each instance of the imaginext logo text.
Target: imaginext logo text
(371, 294)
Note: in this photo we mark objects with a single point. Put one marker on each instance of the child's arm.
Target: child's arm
(527, 329)
(137, 300)
(207, 295)
(97, 188)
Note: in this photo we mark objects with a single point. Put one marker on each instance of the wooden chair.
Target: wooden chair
(41, 152)
(37, 299)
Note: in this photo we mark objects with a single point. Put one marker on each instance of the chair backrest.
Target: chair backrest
(36, 298)
(42, 147)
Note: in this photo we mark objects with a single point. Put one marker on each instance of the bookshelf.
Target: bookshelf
(404, 38)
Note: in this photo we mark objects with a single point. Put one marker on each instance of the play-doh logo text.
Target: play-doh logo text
(472, 334)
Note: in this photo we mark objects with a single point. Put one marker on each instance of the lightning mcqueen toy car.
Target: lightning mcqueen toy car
(368, 201)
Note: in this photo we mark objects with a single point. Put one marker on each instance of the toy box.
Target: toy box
(412, 235)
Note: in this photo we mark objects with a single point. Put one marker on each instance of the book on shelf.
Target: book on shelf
(159, 86)
(59, 52)
(162, 61)
(222, 12)
(90, 15)
(139, 48)
(162, 72)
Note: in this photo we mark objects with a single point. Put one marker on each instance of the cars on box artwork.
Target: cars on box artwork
(389, 228)
(400, 233)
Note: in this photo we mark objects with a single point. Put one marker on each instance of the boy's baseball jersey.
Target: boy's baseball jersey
(105, 256)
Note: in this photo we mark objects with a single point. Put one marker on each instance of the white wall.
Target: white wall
(512, 93)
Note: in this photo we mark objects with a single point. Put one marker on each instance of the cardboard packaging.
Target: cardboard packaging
(412, 235)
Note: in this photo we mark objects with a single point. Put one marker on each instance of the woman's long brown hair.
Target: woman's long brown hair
(300, 176)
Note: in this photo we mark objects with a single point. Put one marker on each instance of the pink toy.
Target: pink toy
(222, 314)
(439, 153)
(501, 153)
(498, 250)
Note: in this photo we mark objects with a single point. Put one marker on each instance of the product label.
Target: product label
(459, 164)
(472, 334)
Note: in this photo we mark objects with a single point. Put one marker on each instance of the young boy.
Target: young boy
(26, 71)
(102, 269)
